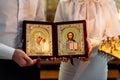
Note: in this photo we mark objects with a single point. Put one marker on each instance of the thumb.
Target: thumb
(29, 61)
(34, 61)
(89, 47)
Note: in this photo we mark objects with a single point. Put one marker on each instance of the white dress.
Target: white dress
(102, 20)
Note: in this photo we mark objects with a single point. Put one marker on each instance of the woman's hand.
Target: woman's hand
(89, 44)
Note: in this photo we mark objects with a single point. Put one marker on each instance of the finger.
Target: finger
(31, 62)
(22, 63)
(83, 59)
(80, 58)
(51, 58)
(64, 59)
(54, 59)
(34, 61)
(47, 59)
(28, 60)
(89, 52)
(60, 59)
(89, 48)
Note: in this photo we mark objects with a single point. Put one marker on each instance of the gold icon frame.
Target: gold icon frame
(48, 39)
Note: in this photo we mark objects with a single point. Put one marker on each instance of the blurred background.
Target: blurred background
(51, 5)
(50, 8)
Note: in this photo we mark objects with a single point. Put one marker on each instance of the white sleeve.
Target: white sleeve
(6, 52)
(94, 42)
(65, 10)
(40, 13)
(59, 12)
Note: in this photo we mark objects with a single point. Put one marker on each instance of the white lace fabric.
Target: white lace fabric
(94, 1)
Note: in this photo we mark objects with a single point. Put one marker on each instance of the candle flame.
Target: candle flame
(119, 16)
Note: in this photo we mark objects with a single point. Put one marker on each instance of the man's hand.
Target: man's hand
(23, 59)
(89, 51)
